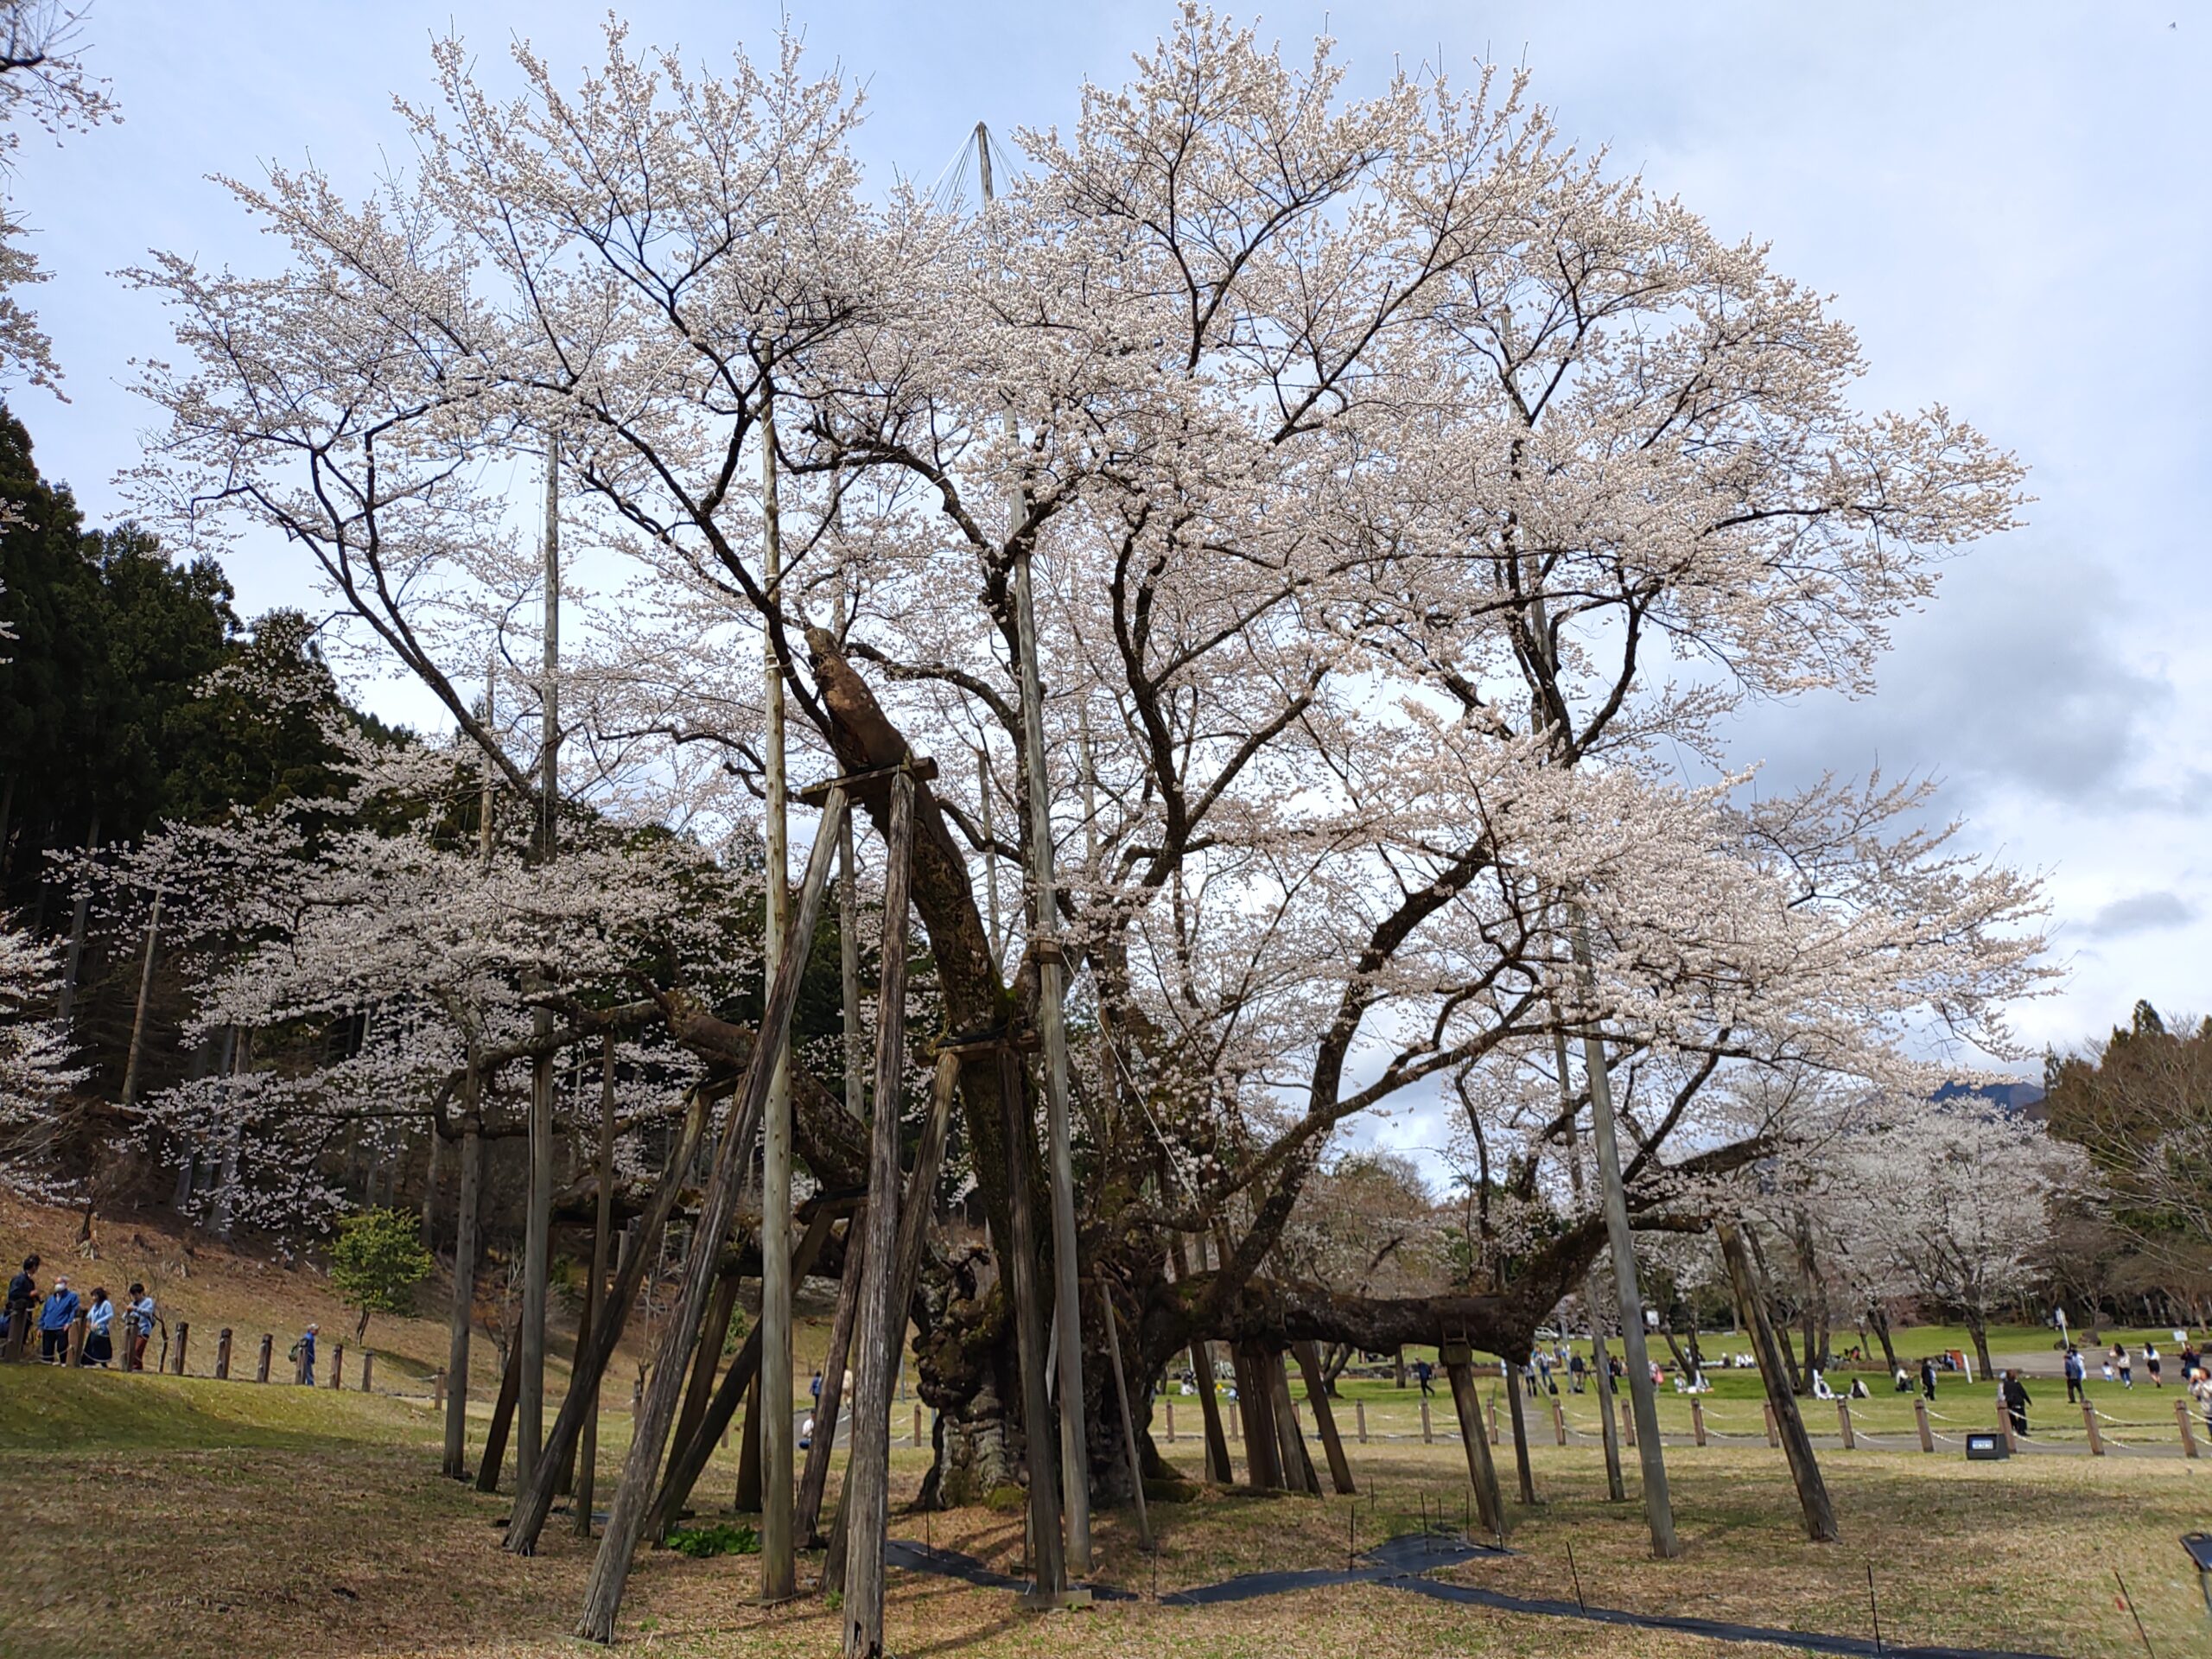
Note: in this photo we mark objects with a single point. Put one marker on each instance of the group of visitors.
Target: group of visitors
(55, 1313)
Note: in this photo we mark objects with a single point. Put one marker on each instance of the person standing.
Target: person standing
(1927, 1378)
(99, 1346)
(305, 1349)
(1574, 1370)
(1423, 1371)
(2076, 1376)
(2124, 1365)
(22, 1298)
(137, 1328)
(2153, 1364)
(54, 1321)
(2017, 1402)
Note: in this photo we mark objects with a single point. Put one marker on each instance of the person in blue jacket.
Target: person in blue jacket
(54, 1321)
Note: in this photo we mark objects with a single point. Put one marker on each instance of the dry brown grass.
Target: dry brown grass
(158, 1529)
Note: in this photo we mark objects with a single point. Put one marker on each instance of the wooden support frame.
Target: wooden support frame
(1050, 1587)
(1324, 1419)
(1482, 1470)
(626, 1517)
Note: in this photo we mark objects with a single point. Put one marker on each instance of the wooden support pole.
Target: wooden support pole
(1168, 1407)
(1785, 1428)
(438, 1391)
(1843, 1424)
(268, 1350)
(633, 1499)
(1427, 1431)
(1493, 1414)
(1217, 1441)
(223, 1353)
(814, 1478)
(74, 1353)
(1299, 1473)
(1324, 1418)
(865, 1515)
(2188, 1428)
(745, 1499)
(2089, 1422)
(368, 1372)
(337, 1367)
(1359, 1418)
(1048, 1560)
(460, 1309)
(503, 1419)
(1482, 1472)
(1128, 1421)
(1627, 1422)
(1263, 1468)
(1559, 1421)
(1697, 1421)
(2004, 1427)
(706, 1361)
(1524, 1472)
(1920, 1415)
(183, 1335)
(585, 1377)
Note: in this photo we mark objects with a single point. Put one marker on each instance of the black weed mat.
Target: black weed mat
(1400, 1563)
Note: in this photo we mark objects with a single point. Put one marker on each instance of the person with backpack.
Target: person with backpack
(55, 1319)
(2015, 1394)
(2077, 1375)
(303, 1356)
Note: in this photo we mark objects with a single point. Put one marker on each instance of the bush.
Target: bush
(720, 1538)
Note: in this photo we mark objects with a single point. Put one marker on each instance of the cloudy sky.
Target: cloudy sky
(2009, 201)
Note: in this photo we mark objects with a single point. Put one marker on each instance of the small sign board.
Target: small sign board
(1987, 1447)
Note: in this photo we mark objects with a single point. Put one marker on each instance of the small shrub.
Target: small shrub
(718, 1538)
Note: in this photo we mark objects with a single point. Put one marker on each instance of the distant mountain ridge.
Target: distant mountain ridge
(2020, 1097)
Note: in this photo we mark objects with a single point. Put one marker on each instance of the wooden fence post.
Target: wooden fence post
(368, 1370)
(918, 1423)
(183, 1334)
(2188, 1428)
(1428, 1434)
(1927, 1434)
(2089, 1422)
(1628, 1420)
(267, 1346)
(2004, 1427)
(75, 1353)
(1697, 1419)
(1359, 1420)
(438, 1391)
(1494, 1441)
(1171, 1422)
(1843, 1423)
(1773, 1432)
(1559, 1421)
(223, 1354)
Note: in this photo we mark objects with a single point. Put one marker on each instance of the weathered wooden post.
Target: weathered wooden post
(1781, 1405)
(1170, 1409)
(634, 1496)
(1843, 1424)
(1324, 1416)
(1482, 1472)
(337, 1367)
(1559, 1421)
(368, 1370)
(438, 1392)
(183, 1336)
(1927, 1434)
(1493, 1420)
(269, 1350)
(75, 1353)
(2188, 1428)
(1773, 1431)
(1427, 1433)
(2089, 1422)
(223, 1354)
(2005, 1426)
(1359, 1418)
(1627, 1422)
(1697, 1421)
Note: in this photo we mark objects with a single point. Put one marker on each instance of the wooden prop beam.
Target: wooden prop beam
(503, 1417)
(1299, 1473)
(625, 1519)
(1324, 1418)
(688, 1461)
(814, 1480)
(914, 1224)
(865, 1515)
(1521, 1466)
(1019, 1253)
(1782, 1416)
(642, 1243)
(1128, 1425)
(1482, 1471)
